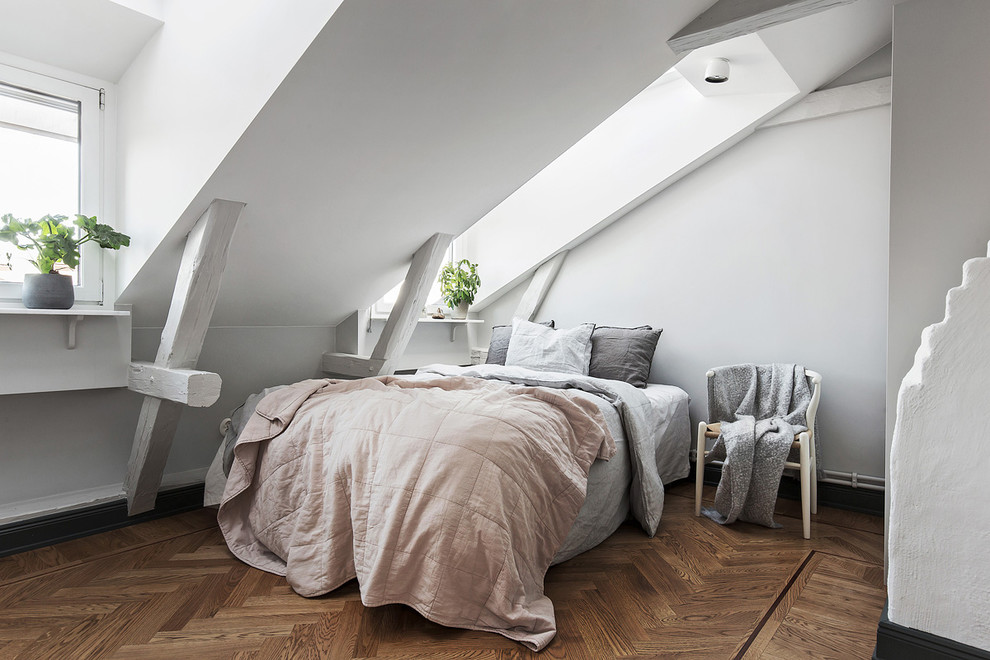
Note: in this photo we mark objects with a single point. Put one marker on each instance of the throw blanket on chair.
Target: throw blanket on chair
(761, 408)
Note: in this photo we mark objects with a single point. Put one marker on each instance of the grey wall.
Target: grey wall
(58, 443)
(776, 251)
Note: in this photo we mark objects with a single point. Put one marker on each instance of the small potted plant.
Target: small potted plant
(55, 243)
(459, 283)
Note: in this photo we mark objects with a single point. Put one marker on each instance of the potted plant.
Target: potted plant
(55, 243)
(459, 283)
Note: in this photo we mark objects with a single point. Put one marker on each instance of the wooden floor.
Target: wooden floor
(170, 589)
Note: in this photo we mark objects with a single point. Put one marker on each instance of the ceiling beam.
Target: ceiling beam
(835, 101)
(190, 387)
(539, 286)
(408, 306)
(733, 18)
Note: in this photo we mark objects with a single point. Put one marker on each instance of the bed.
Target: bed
(492, 474)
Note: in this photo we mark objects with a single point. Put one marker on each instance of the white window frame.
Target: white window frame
(89, 290)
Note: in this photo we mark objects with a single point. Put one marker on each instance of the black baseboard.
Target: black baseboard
(57, 527)
(833, 495)
(896, 642)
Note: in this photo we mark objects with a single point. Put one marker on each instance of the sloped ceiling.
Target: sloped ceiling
(401, 120)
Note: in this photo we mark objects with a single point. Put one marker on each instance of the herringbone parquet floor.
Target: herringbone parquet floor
(170, 589)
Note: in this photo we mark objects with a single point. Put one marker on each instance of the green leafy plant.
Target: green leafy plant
(459, 282)
(55, 242)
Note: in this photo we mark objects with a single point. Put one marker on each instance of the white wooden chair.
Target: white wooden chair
(805, 443)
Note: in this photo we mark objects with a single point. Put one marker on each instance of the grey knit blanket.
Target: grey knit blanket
(761, 408)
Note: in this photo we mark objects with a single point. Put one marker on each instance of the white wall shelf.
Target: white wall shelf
(72, 311)
(453, 323)
(38, 349)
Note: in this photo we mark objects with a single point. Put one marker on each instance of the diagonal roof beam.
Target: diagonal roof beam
(733, 18)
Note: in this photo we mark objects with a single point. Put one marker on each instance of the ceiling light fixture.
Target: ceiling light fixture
(717, 70)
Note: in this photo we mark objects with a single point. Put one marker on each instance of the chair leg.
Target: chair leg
(806, 477)
(699, 468)
(814, 477)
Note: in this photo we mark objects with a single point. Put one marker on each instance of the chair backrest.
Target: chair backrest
(816, 395)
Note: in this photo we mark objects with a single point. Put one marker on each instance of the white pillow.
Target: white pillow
(536, 346)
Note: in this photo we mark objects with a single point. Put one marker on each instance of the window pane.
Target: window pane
(39, 170)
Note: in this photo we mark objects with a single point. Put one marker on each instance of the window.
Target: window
(383, 306)
(51, 146)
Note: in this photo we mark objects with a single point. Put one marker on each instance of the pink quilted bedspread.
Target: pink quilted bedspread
(450, 495)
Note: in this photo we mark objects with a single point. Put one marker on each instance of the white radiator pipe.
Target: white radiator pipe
(843, 482)
(854, 479)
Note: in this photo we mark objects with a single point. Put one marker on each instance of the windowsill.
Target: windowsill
(76, 310)
(427, 319)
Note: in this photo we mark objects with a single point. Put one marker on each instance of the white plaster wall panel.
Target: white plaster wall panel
(776, 251)
(401, 120)
(940, 154)
(939, 523)
(187, 98)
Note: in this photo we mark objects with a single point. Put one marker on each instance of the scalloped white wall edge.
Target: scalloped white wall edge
(939, 459)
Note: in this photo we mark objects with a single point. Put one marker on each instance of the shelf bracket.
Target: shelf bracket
(70, 340)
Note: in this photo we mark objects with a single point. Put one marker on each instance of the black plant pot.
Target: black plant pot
(47, 291)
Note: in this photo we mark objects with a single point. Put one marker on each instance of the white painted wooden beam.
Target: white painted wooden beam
(196, 289)
(835, 101)
(199, 389)
(733, 18)
(409, 306)
(539, 286)
(345, 364)
(197, 285)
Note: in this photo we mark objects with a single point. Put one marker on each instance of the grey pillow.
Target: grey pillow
(498, 347)
(623, 353)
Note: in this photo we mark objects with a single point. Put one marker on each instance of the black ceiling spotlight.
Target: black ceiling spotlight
(717, 70)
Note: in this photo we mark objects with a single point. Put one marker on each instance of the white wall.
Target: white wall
(67, 448)
(189, 95)
(939, 217)
(774, 252)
